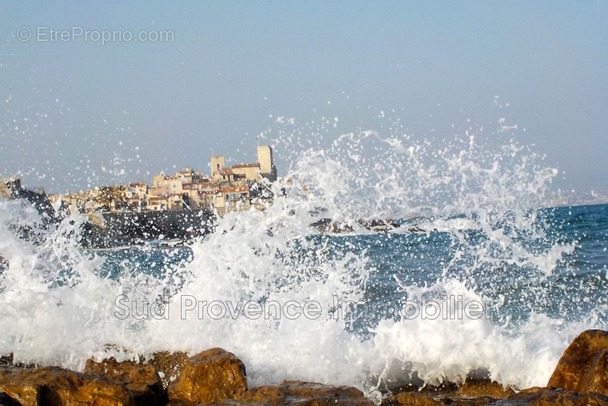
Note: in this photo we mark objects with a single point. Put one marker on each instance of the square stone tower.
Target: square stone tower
(217, 164)
(267, 168)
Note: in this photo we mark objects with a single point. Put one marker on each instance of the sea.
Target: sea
(475, 272)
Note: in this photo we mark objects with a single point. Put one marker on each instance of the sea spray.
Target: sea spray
(296, 304)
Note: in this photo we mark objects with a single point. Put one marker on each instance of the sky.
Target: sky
(179, 81)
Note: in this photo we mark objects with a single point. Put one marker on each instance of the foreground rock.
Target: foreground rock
(168, 365)
(57, 386)
(584, 365)
(554, 397)
(543, 397)
(214, 377)
(163, 366)
(302, 394)
(475, 391)
(210, 376)
(142, 381)
(218, 377)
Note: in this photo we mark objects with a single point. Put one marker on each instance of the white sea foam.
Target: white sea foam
(56, 308)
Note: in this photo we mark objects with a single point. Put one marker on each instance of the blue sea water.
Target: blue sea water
(575, 288)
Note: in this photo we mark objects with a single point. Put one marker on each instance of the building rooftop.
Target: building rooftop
(233, 189)
(254, 165)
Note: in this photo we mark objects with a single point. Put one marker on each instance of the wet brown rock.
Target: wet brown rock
(13, 386)
(435, 399)
(477, 390)
(298, 389)
(141, 380)
(413, 399)
(484, 387)
(210, 376)
(264, 395)
(596, 378)
(554, 397)
(168, 365)
(292, 393)
(584, 365)
(307, 393)
(56, 386)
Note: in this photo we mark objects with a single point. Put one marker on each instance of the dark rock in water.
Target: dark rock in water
(11, 189)
(113, 229)
(213, 375)
(128, 228)
(93, 236)
(379, 225)
(584, 365)
(152, 225)
(39, 201)
(327, 225)
(35, 231)
(303, 393)
(141, 380)
(58, 386)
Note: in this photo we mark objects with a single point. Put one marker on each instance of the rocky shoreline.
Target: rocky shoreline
(218, 377)
(133, 228)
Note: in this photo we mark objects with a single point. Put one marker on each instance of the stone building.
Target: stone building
(228, 189)
(267, 168)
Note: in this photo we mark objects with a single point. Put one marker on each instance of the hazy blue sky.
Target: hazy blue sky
(77, 111)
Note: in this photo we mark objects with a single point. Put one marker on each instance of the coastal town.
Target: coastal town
(227, 189)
